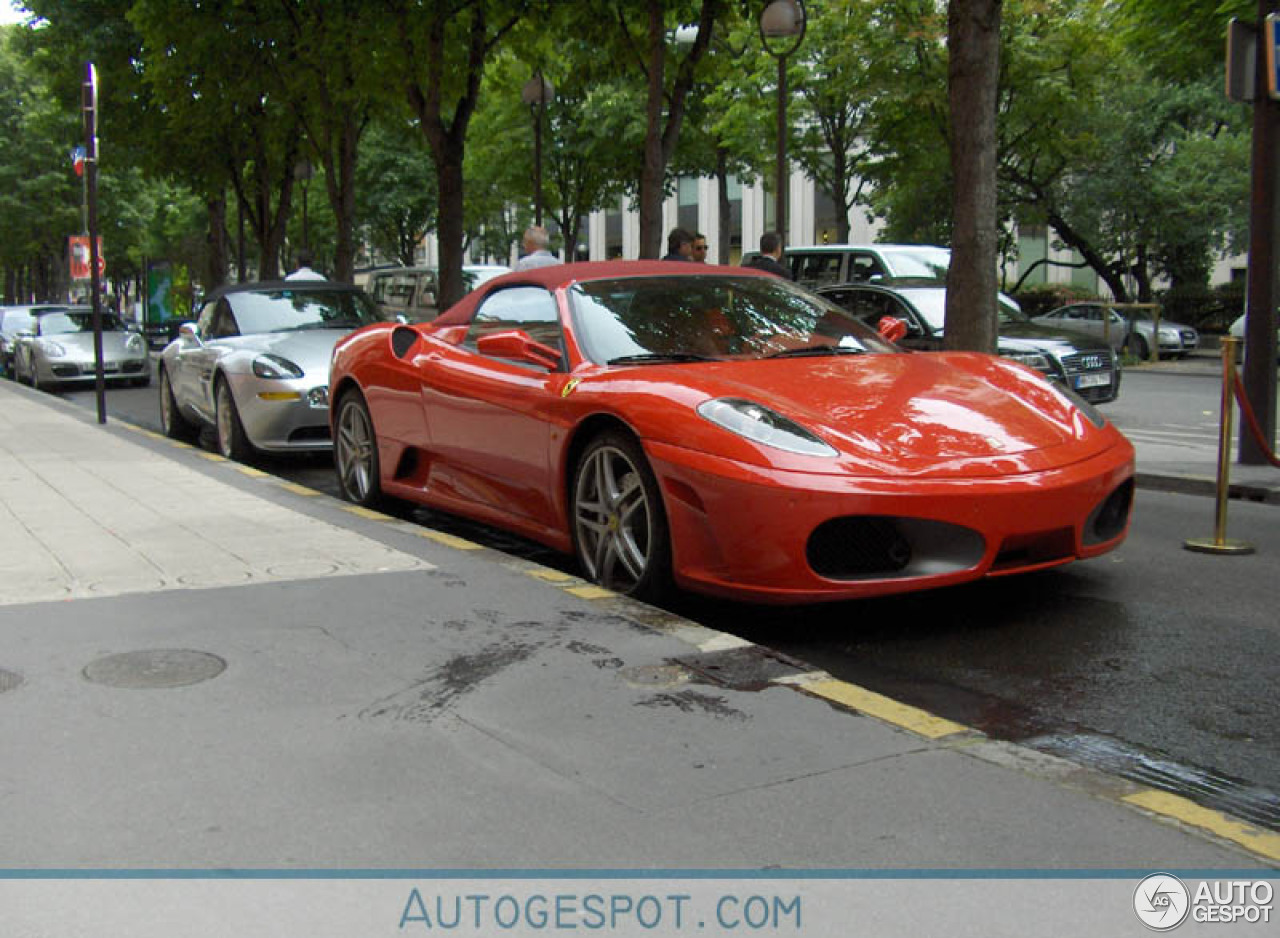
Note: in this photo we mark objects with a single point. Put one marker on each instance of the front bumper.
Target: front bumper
(761, 535)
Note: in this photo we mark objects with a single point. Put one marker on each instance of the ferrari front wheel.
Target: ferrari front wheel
(355, 452)
(620, 531)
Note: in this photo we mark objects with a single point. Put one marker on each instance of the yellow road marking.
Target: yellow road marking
(363, 512)
(918, 721)
(591, 592)
(297, 489)
(1182, 809)
(551, 576)
(449, 540)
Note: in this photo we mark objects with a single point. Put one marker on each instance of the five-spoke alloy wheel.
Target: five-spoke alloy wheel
(619, 525)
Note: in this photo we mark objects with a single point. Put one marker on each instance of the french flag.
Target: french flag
(77, 160)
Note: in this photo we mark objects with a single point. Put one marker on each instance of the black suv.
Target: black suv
(1080, 362)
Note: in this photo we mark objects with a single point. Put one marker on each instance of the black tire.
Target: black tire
(1137, 347)
(355, 452)
(175, 426)
(620, 531)
(228, 431)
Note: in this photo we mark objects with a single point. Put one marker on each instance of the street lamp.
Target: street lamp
(537, 93)
(783, 22)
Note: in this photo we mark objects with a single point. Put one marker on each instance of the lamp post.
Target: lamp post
(536, 93)
(782, 25)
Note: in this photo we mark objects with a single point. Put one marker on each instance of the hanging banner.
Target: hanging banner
(78, 257)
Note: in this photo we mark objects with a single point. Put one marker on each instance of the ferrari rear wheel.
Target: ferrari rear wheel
(233, 443)
(620, 530)
(355, 452)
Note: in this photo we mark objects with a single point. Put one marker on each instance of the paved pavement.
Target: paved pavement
(205, 667)
(1171, 466)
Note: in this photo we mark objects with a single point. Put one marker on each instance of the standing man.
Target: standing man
(770, 257)
(699, 248)
(679, 245)
(303, 270)
(535, 243)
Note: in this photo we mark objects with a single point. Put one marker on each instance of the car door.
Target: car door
(869, 306)
(197, 357)
(491, 419)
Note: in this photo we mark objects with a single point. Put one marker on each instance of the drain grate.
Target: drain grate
(160, 668)
(1206, 788)
(750, 668)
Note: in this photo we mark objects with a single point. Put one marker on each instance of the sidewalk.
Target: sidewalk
(205, 667)
(1183, 469)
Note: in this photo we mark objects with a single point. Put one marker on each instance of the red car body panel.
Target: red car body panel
(941, 439)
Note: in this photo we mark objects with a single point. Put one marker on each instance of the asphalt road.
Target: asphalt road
(1153, 661)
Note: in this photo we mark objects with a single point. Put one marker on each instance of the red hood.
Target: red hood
(935, 413)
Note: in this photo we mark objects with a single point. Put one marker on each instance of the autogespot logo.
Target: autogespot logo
(1161, 901)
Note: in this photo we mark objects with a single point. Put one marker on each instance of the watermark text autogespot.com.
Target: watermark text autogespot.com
(600, 911)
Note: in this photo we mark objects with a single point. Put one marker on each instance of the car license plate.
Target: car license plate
(1092, 381)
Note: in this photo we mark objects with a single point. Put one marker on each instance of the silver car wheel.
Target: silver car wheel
(619, 528)
(355, 452)
(232, 442)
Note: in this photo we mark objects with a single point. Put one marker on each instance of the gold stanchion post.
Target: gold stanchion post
(1220, 544)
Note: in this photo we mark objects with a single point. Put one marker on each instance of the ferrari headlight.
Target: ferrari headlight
(761, 425)
(273, 366)
(1034, 360)
(52, 349)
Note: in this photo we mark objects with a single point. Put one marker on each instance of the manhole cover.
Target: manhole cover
(9, 680)
(154, 669)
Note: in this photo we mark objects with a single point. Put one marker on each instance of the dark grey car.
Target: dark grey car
(1086, 365)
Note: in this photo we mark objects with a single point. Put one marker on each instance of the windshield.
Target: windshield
(684, 318)
(928, 262)
(931, 303)
(286, 310)
(72, 322)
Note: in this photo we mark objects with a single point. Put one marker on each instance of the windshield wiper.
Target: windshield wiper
(656, 358)
(815, 350)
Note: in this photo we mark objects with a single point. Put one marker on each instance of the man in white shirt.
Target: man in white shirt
(535, 243)
(304, 271)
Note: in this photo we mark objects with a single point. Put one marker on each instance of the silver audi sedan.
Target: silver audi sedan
(254, 365)
(56, 348)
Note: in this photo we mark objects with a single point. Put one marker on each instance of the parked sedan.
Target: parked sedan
(1071, 359)
(1131, 333)
(725, 431)
(58, 348)
(15, 320)
(254, 366)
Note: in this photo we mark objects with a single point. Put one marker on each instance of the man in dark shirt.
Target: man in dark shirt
(679, 245)
(770, 257)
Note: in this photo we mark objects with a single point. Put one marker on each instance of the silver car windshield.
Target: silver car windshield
(72, 322)
(288, 310)
(633, 320)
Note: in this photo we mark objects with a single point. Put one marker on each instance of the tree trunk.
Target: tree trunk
(219, 261)
(653, 169)
(724, 206)
(973, 35)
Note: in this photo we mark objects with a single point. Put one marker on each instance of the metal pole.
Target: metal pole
(1220, 544)
(780, 196)
(1259, 365)
(537, 162)
(91, 188)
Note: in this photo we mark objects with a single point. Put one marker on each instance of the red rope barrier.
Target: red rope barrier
(1254, 427)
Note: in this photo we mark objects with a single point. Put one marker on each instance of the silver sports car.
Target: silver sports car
(57, 348)
(254, 366)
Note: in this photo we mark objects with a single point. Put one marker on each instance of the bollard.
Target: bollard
(1220, 544)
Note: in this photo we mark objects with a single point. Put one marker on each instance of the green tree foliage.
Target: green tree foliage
(40, 196)
(395, 189)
